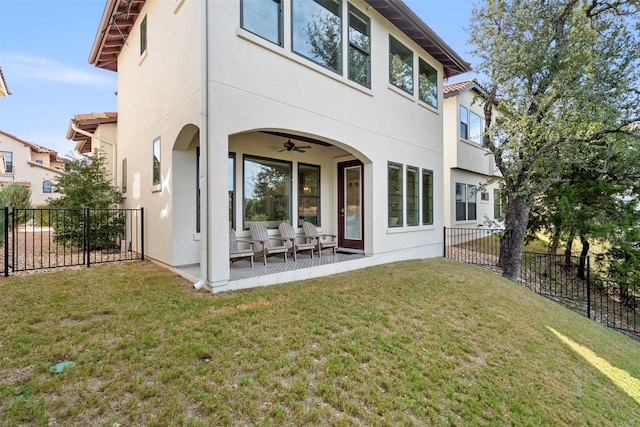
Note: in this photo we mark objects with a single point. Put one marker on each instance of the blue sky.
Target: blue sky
(44, 51)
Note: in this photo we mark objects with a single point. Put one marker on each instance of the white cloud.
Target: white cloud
(31, 67)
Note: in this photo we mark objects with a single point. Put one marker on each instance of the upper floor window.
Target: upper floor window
(143, 35)
(156, 161)
(317, 31)
(263, 18)
(8, 160)
(46, 186)
(359, 47)
(400, 66)
(428, 84)
(464, 122)
(471, 126)
(39, 162)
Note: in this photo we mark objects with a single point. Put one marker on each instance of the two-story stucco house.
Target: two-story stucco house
(471, 179)
(29, 164)
(234, 112)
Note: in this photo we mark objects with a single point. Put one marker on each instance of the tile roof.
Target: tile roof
(456, 88)
(119, 17)
(88, 123)
(34, 147)
(4, 90)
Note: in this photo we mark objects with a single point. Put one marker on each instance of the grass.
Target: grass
(429, 342)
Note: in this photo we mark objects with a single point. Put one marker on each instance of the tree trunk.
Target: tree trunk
(516, 222)
(569, 249)
(553, 250)
(583, 257)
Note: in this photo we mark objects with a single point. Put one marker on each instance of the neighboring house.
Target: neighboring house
(29, 164)
(4, 90)
(213, 96)
(471, 179)
(96, 131)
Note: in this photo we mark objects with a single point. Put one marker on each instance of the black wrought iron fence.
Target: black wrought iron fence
(564, 279)
(49, 238)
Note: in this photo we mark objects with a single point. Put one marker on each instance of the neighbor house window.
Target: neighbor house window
(428, 84)
(465, 202)
(263, 18)
(471, 202)
(124, 176)
(308, 194)
(8, 159)
(267, 191)
(143, 35)
(359, 47)
(475, 128)
(231, 171)
(484, 196)
(156, 161)
(464, 122)
(46, 186)
(427, 197)
(394, 180)
(39, 162)
(400, 66)
(498, 204)
(317, 32)
(413, 196)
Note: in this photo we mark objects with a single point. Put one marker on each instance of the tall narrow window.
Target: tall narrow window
(143, 35)
(428, 84)
(475, 128)
(498, 204)
(413, 196)
(359, 47)
(394, 181)
(317, 32)
(461, 201)
(124, 176)
(471, 202)
(263, 18)
(231, 170)
(427, 197)
(308, 194)
(400, 66)
(46, 186)
(267, 191)
(156, 161)
(8, 159)
(464, 122)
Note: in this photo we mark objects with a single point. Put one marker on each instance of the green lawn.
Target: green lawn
(428, 342)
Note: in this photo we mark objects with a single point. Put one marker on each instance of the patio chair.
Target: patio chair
(320, 241)
(288, 232)
(235, 251)
(263, 246)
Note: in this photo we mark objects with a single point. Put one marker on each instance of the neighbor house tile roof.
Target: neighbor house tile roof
(456, 88)
(88, 123)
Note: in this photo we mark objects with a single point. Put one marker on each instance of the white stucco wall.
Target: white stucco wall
(254, 85)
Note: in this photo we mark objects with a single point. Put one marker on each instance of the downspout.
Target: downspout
(101, 139)
(204, 152)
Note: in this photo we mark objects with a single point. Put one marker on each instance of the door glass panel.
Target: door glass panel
(353, 203)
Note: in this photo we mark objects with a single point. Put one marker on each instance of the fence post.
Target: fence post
(142, 232)
(444, 242)
(87, 228)
(6, 241)
(588, 287)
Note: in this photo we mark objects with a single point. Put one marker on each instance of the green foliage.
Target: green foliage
(16, 196)
(85, 186)
(566, 74)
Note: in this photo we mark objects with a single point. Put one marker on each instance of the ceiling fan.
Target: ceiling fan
(290, 146)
